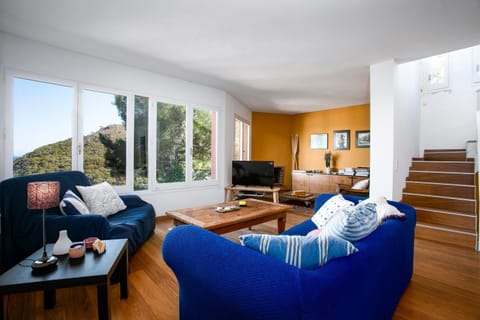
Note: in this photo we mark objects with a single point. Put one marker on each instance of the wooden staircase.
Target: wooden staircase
(441, 186)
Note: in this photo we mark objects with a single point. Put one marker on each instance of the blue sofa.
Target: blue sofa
(219, 279)
(21, 228)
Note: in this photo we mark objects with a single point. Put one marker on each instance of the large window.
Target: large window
(134, 142)
(42, 127)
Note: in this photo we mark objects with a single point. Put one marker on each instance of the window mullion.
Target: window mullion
(189, 144)
(152, 143)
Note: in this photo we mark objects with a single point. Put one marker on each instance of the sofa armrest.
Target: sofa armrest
(132, 200)
(219, 279)
(78, 227)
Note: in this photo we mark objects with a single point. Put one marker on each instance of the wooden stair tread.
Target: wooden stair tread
(454, 178)
(443, 166)
(463, 223)
(425, 231)
(441, 187)
(466, 206)
(438, 189)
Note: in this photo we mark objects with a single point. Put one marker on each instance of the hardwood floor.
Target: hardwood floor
(445, 285)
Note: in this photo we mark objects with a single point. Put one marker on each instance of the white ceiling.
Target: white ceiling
(286, 56)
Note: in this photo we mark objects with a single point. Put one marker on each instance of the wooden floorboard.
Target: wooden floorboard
(445, 285)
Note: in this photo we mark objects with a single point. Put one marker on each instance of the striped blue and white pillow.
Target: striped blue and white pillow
(71, 204)
(300, 251)
(353, 223)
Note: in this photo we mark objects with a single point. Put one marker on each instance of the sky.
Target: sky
(40, 111)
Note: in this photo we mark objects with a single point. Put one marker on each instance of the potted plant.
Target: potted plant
(328, 160)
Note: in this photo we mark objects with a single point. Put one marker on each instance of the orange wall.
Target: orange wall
(271, 134)
(354, 118)
(271, 140)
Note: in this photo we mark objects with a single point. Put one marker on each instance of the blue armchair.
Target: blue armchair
(219, 279)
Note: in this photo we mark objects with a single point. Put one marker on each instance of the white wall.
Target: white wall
(19, 54)
(448, 117)
(394, 125)
(382, 86)
(407, 123)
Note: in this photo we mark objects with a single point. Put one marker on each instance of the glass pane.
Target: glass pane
(104, 136)
(438, 69)
(204, 135)
(42, 127)
(170, 142)
(242, 132)
(238, 140)
(245, 141)
(140, 144)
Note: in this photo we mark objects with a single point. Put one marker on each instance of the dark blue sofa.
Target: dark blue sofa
(21, 228)
(219, 279)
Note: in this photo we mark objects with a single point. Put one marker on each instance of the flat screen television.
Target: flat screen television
(253, 173)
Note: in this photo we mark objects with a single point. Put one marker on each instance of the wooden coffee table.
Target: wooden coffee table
(256, 212)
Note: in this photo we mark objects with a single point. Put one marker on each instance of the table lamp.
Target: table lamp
(43, 195)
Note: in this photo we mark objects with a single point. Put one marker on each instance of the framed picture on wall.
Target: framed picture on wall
(319, 141)
(341, 140)
(363, 139)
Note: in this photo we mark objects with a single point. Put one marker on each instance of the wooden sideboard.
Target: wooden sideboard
(320, 182)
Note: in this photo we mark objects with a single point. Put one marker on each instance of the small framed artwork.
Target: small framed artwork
(363, 139)
(341, 139)
(319, 141)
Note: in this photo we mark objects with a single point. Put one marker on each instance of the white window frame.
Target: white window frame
(152, 171)
(249, 133)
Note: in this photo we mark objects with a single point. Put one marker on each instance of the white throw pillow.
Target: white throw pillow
(331, 207)
(102, 199)
(362, 184)
(384, 209)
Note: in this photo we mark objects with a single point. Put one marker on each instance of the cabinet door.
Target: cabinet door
(319, 183)
(346, 180)
(299, 181)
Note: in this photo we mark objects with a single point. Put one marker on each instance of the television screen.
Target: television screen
(253, 173)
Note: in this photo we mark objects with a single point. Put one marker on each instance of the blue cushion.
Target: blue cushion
(299, 251)
(71, 204)
(353, 223)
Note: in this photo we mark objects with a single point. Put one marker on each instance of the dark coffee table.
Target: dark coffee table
(92, 269)
(307, 199)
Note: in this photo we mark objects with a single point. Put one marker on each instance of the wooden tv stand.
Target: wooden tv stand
(230, 190)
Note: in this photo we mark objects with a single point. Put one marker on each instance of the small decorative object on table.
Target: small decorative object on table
(227, 209)
(242, 203)
(76, 250)
(89, 242)
(99, 246)
(63, 244)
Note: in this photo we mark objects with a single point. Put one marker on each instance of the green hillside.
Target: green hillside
(104, 156)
